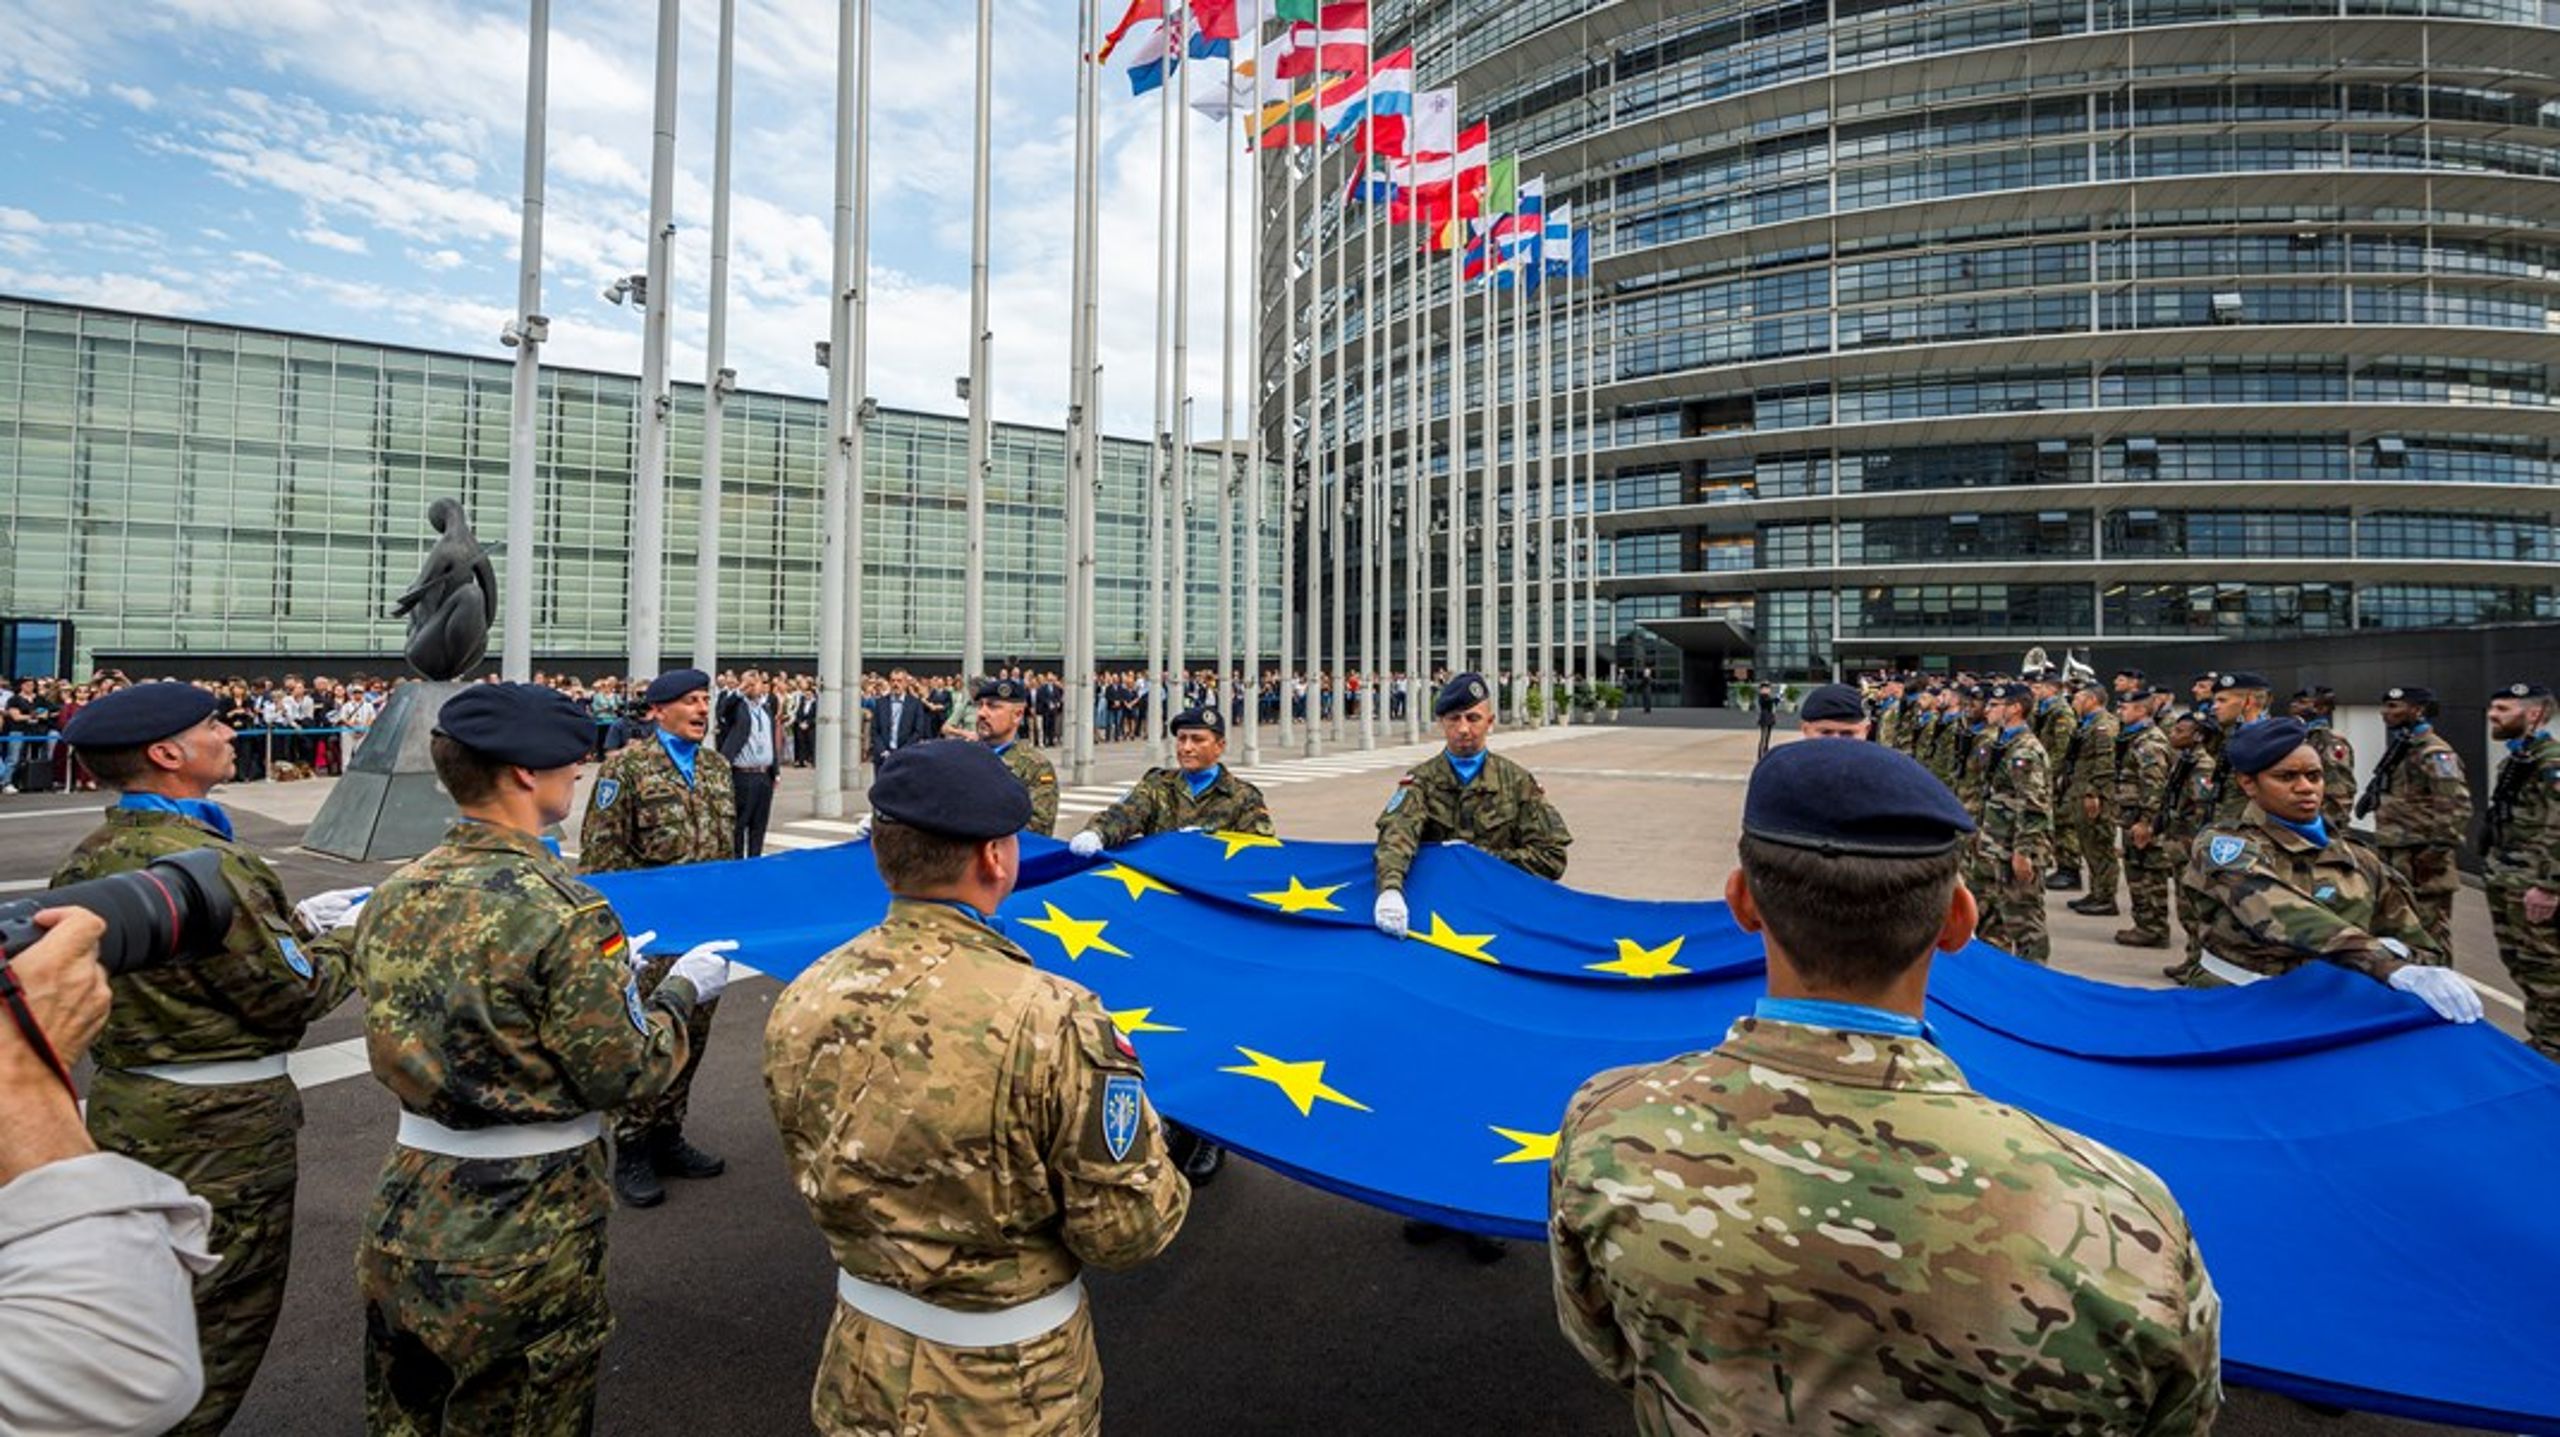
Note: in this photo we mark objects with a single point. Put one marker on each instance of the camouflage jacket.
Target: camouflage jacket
(2521, 845)
(2143, 761)
(498, 990)
(2277, 902)
(1973, 775)
(271, 981)
(2230, 804)
(2186, 796)
(1040, 779)
(1850, 1244)
(1893, 724)
(2091, 746)
(1161, 802)
(2426, 800)
(2052, 723)
(963, 1126)
(1928, 745)
(1504, 812)
(2337, 773)
(2017, 802)
(642, 813)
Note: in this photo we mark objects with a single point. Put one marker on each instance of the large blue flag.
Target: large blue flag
(2371, 1188)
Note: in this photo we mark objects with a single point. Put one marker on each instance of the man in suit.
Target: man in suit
(1048, 704)
(750, 729)
(899, 718)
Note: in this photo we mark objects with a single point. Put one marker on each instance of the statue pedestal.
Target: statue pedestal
(388, 807)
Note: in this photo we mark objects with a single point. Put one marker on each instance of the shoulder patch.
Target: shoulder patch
(1395, 800)
(294, 957)
(632, 1005)
(607, 790)
(2227, 850)
(1123, 1104)
(2443, 763)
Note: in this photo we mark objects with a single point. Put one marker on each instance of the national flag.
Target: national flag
(1342, 103)
(1139, 12)
(1379, 188)
(1475, 147)
(1217, 19)
(1151, 57)
(1556, 247)
(1337, 41)
(1227, 98)
(1529, 227)
(1387, 122)
(1294, 10)
(1289, 121)
(1435, 121)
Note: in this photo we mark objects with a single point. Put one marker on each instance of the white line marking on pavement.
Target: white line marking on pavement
(327, 1063)
(827, 825)
(89, 812)
(2492, 994)
(22, 885)
(796, 841)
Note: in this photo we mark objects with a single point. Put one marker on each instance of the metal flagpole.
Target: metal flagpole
(717, 378)
(1089, 497)
(1591, 473)
(858, 421)
(1520, 376)
(649, 498)
(1489, 499)
(1289, 494)
(1178, 459)
(1316, 441)
(1546, 480)
(1373, 437)
(1161, 436)
(1227, 683)
(973, 583)
(1075, 676)
(1249, 685)
(838, 702)
(1453, 590)
(526, 334)
(1337, 499)
(1417, 482)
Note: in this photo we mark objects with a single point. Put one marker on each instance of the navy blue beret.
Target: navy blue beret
(2253, 748)
(144, 713)
(2136, 675)
(2511, 691)
(1463, 692)
(2136, 696)
(2007, 693)
(1851, 798)
(674, 684)
(951, 787)
(1005, 691)
(530, 725)
(1199, 718)
(2410, 694)
(2203, 719)
(2224, 683)
(2203, 678)
(1832, 701)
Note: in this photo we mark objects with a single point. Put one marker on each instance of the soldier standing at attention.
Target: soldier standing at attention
(2421, 805)
(1200, 791)
(501, 1010)
(2239, 699)
(1468, 794)
(1893, 719)
(2186, 806)
(1832, 711)
(1001, 705)
(2014, 836)
(1856, 1241)
(2143, 763)
(662, 801)
(2089, 797)
(2285, 891)
(2055, 723)
(969, 1132)
(2521, 847)
(2317, 706)
(191, 1064)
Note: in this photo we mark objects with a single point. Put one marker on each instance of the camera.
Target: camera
(174, 910)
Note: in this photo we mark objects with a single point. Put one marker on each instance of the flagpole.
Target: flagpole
(1178, 461)
(858, 378)
(1452, 589)
(1161, 435)
(1289, 494)
(1591, 472)
(1373, 516)
(717, 380)
(1075, 678)
(523, 420)
(1316, 440)
(834, 710)
(649, 498)
(1224, 689)
(1417, 479)
(1489, 499)
(1546, 475)
(1520, 377)
(1249, 684)
(973, 583)
(1337, 644)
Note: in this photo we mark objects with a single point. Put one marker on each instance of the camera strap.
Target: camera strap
(14, 994)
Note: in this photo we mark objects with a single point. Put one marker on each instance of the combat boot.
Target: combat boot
(672, 1157)
(2063, 880)
(2136, 938)
(635, 1179)
(2094, 907)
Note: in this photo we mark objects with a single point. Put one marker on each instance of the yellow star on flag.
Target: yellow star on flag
(1134, 1020)
(1302, 1082)
(1076, 935)
(1465, 945)
(1533, 1147)
(1238, 842)
(1138, 884)
(1634, 960)
(1299, 898)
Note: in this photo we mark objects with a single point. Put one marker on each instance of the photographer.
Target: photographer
(95, 1249)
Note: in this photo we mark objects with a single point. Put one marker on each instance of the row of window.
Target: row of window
(2070, 534)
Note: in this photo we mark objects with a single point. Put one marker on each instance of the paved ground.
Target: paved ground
(1279, 1310)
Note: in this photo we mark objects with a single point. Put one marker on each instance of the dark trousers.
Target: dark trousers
(1765, 728)
(754, 790)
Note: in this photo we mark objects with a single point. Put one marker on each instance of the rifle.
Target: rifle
(2375, 787)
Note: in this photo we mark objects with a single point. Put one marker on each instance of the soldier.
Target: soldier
(969, 1132)
(2421, 804)
(2014, 839)
(1469, 794)
(2143, 765)
(1199, 792)
(2125, 682)
(502, 1011)
(2286, 891)
(2186, 807)
(2239, 699)
(1793, 1233)
(1973, 774)
(2089, 797)
(1929, 742)
(658, 802)
(2521, 849)
(1001, 705)
(2055, 724)
(191, 1065)
(2200, 690)
(1832, 711)
(1893, 718)
(2317, 707)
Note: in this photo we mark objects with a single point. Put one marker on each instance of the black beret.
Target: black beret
(144, 713)
(530, 725)
(2256, 747)
(1851, 798)
(2136, 675)
(1463, 692)
(2136, 696)
(2511, 691)
(2224, 683)
(2410, 694)
(1199, 718)
(2203, 678)
(2202, 719)
(674, 684)
(951, 787)
(1832, 701)
(2006, 693)
(1006, 691)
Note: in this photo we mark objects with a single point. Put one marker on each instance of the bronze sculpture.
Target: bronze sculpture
(453, 599)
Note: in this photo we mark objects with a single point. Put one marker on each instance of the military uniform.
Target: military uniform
(2016, 818)
(2186, 808)
(1849, 1244)
(2091, 751)
(1039, 779)
(2521, 850)
(2337, 772)
(2054, 725)
(2422, 808)
(498, 1001)
(2144, 761)
(1504, 812)
(1974, 775)
(233, 1143)
(2279, 901)
(1162, 801)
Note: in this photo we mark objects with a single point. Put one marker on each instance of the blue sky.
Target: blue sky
(354, 169)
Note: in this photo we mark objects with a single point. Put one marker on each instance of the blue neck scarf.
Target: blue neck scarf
(683, 750)
(998, 749)
(2088, 718)
(1467, 768)
(988, 921)
(2517, 746)
(2316, 831)
(1199, 782)
(2009, 735)
(2136, 727)
(199, 810)
(1846, 1017)
(2421, 726)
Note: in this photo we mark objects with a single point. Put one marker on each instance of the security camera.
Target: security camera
(824, 350)
(725, 382)
(869, 410)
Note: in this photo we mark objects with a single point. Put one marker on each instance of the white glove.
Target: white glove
(1085, 844)
(2443, 989)
(1455, 843)
(706, 967)
(635, 949)
(1390, 916)
(328, 912)
(861, 829)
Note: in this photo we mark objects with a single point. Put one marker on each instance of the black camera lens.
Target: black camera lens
(175, 909)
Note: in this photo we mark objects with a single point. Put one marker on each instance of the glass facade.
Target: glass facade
(183, 488)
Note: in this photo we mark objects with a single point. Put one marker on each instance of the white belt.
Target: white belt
(507, 1140)
(2228, 971)
(216, 1073)
(1003, 1327)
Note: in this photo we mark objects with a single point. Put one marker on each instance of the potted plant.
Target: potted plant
(1582, 701)
(1611, 697)
(1535, 703)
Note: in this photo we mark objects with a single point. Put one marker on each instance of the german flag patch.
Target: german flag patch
(617, 947)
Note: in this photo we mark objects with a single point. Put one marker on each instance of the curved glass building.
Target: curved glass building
(1938, 327)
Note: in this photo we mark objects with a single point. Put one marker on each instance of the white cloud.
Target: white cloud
(442, 259)
(151, 294)
(327, 238)
(136, 96)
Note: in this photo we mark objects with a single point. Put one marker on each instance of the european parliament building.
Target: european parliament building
(204, 499)
(1949, 326)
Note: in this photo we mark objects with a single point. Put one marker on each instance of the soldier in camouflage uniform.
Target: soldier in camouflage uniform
(2143, 765)
(1824, 1253)
(2054, 722)
(2186, 808)
(1001, 705)
(969, 1132)
(191, 1064)
(2013, 841)
(2239, 699)
(1893, 719)
(1200, 791)
(501, 1010)
(2089, 797)
(2521, 850)
(1928, 738)
(1973, 773)
(1468, 793)
(2421, 806)
(664, 800)
(2286, 891)
(2317, 707)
